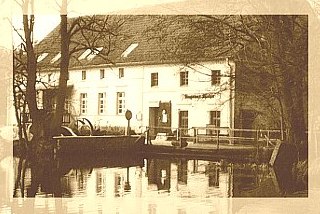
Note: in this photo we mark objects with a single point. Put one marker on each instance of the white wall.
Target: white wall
(136, 84)
(169, 89)
(131, 84)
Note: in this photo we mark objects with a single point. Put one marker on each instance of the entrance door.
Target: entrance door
(160, 119)
(164, 117)
(153, 121)
(183, 122)
(247, 118)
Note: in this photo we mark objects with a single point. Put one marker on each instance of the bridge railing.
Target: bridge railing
(211, 134)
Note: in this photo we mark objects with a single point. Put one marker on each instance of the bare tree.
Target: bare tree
(75, 35)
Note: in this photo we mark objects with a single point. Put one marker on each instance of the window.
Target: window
(83, 103)
(84, 75)
(154, 79)
(101, 103)
(120, 102)
(215, 118)
(66, 119)
(214, 121)
(121, 72)
(183, 122)
(215, 77)
(183, 78)
(101, 73)
(39, 97)
(49, 77)
(50, 101)
(67, 104)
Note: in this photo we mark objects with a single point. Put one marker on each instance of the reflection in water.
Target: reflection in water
(138, 177)
(155, 185)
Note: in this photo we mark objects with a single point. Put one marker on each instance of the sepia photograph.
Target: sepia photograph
(160, 107)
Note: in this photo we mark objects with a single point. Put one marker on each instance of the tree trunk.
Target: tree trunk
(292, 78)
(31, 67)
(64, 64)
(36, 116)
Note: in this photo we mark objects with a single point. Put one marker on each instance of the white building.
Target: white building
(161, 93)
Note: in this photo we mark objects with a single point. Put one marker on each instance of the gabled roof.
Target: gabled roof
(154, 39)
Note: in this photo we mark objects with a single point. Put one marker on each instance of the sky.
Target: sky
(47, 14)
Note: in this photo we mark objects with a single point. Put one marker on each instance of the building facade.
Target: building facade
(162, 91)
(161, 96)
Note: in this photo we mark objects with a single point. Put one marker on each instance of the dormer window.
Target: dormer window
(41, 57)
(56, 58)
(129, 50)
(94, 53)
(84, 54)
(89, 54)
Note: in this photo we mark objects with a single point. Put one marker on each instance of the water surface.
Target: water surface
(138, 177)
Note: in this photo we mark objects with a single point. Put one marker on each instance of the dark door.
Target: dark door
(247, 119)
(183, 122)
(164, 117)
(153, 121)
(160, 118)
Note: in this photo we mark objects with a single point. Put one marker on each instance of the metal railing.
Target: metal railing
(210, 134)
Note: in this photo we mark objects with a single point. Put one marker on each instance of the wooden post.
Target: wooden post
(218, 142)
(148, 136)
(177, 134)
(128, 116)
(180, 138)
(281, 128)
(231, 141)
(257, 139)
(257, 143)
(128, 129)
(55, 152)
(197, 132)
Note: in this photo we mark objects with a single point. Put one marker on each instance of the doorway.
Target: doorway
(160, 119)
(183, 122)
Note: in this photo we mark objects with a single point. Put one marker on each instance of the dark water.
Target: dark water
(122, 176)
